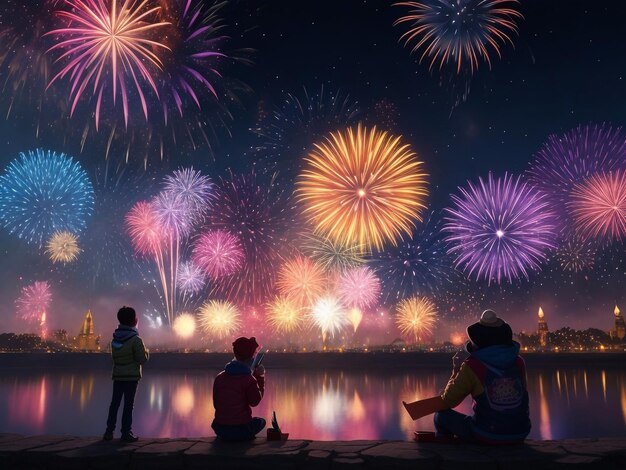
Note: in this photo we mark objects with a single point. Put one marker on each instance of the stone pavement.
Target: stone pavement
(84, 453)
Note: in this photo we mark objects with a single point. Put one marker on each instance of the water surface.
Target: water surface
(565, 402)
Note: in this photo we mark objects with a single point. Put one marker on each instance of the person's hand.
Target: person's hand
(458, 359)
(259, 370)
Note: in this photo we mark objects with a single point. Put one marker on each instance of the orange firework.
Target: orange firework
(301, 280)
(416, 317)
(362, 187)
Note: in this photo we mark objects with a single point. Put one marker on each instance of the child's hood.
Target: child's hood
(500, 356)
(236, 367)
(122, 334)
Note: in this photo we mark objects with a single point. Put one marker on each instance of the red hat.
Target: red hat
(244, 348)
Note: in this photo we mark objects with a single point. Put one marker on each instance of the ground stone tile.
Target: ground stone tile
(162, 448)
(341, 447)
(340, 463)
(31, 443)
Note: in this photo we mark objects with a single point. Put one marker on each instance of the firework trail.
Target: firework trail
(359, 287)
(256, 212)
(34, 302)
(499, 228)
(416, 317)
(598, 206)
(219, 319)
(417, 265)
(459, 34)
(301, 280)
(63, 247)
(362, 187)
(43, 192)
(218, 253)
(285, 316)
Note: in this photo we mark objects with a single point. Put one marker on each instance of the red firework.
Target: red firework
(598, 206)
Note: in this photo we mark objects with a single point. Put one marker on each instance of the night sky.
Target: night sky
(567, 68)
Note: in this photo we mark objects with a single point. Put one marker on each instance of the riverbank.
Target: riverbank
(86, 453)
(326, 360)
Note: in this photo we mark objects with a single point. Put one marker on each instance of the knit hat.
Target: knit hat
(488, 331)
(244, 348)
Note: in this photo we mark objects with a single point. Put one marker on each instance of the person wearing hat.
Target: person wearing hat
(495, 375)
(236, 389)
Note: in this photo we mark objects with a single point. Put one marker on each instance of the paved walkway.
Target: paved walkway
(67, 452)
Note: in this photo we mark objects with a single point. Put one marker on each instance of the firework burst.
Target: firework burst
(598, 206)
(359, 287)
(576, 254)
(329, 316)
(459, 34)
(566, 160)
(184, 325)
(416, 317)
(331, 255)
(107, 47)
(257, 214)
(219, 319)
(192, 189)
(63, 247)
(500, 228)
(43, 192)
(144, 229)
(301, 280)
(285, 316)
(362, 188)
(190, 278)
(218, 253)
(33, 302)
(417, 265)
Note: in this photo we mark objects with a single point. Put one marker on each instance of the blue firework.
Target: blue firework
(418, 265)
(42, 192)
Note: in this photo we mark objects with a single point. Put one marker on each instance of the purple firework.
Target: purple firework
(193, 189)
(173, 213)
(566, 160)
(34, 301)
(190, 278)
(499, 228)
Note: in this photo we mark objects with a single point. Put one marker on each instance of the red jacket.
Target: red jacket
(235, 391)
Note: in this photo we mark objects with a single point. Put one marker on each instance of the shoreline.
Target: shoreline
(321, 360)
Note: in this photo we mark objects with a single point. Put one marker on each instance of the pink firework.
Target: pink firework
(359, 287)
(218, 253)
(144, 229)
(107, 45)
(33, 302)
(598, 206)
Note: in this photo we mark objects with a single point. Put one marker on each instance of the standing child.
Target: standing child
(236, 389)
(129, 353)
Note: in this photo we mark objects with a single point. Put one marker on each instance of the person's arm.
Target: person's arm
(459, 386)
(256, 389)
(140, 353)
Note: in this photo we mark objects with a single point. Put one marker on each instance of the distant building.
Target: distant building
(620, 327)
(86, 339)
(542, 329)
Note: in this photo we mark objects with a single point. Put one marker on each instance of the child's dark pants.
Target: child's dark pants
(243, 432)
(126, 389)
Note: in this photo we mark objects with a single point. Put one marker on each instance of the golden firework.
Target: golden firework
(302, 280)
(284, 315)
(63, 247)
(362, 187)
(219, 318)
(416, 316)
(184, 325)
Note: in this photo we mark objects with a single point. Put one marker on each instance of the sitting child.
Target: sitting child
(235, 390)
(495, 375)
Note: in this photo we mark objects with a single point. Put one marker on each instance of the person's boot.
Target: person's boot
(129, 437)
(108, 435)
